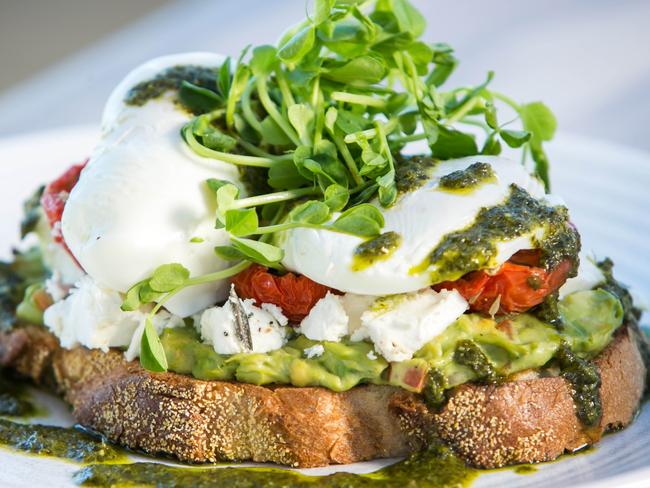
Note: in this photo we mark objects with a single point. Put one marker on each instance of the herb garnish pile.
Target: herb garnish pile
(324, 116)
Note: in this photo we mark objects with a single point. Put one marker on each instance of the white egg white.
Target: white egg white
(142, 197)
(422, 218)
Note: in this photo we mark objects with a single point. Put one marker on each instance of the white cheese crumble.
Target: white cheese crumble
(55, 288)
(589, 275)
(91, 316)
(327, 320)
(371, 355)
(400, 325)
(267, 325)
(314, 351)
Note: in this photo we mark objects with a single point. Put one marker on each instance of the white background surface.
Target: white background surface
(587, 59)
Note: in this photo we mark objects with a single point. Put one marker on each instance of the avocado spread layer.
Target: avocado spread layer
(503, 346)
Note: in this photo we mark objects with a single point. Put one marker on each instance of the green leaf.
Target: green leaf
(148, 294)
(298, 46)
(492, 146)
(257, 251)
(152, 353)
(363, 69)
(491, 116)
(168, 277)
(515, 138)
(538, 119)
(226, 196)
(301, 117)
(284, 175)
(453, 144)
(336, 197)
(312, 212)
(198, 100)
(387, 189)
(241, 222)
(409, 19)
(211, 137)
(225, 77)
(263, 60)
(330, 118)
(364, 220)
(228, 253)
(214, 184)
(322, 10)
(272, 133)
(132, 299)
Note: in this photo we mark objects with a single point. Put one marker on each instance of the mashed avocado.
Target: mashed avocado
(474, 348)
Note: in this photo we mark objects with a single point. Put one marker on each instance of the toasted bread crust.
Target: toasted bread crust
(522, 421)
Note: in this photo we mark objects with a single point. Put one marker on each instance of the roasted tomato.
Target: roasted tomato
(55, 196)
(513, 288)
(294, 294)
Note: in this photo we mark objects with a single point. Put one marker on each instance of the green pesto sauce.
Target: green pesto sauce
(59, 442)
(469, 354)
(585, 381)
(468, 179)
(171, 79)
(13, 402)
(475, 247)
(436, 467)
(378, 249)
(412, 173)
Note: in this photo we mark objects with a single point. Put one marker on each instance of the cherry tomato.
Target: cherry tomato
(517, 287)
(55, 196)
(294, 294)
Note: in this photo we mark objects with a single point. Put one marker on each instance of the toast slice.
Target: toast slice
(529, 419)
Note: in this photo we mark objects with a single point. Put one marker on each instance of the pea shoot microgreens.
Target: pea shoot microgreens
(323, 115)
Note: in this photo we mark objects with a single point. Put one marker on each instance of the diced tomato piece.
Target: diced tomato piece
(56, 194)
(517, 287)
(294, 294)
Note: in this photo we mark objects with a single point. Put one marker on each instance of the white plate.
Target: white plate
(606, 188)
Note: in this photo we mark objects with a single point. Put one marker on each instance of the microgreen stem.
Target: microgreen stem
(388, 128)
(409, 138)
(247, 110)
(269, 106)
(287, 96)
(462, 111)
(238, 159)
(347, 157)
(507, 100)
(280, 196)
(356, 99)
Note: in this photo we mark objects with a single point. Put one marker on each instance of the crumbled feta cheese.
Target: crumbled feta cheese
(589, 275)
(91, 316)
(327, 320)
(218, 326)
(276, 312)
(314, 351)
(400, 325)
(55, 287)
(371, 355)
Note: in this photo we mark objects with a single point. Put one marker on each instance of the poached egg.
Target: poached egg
(142, 200)
(422, 218)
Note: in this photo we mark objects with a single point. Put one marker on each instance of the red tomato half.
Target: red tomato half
(294, 294)
(517, 287)
(56, 194)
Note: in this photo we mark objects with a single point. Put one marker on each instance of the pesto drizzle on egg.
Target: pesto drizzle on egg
(377, 249)
(475, 247)
(171, 79)
(468, 179)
